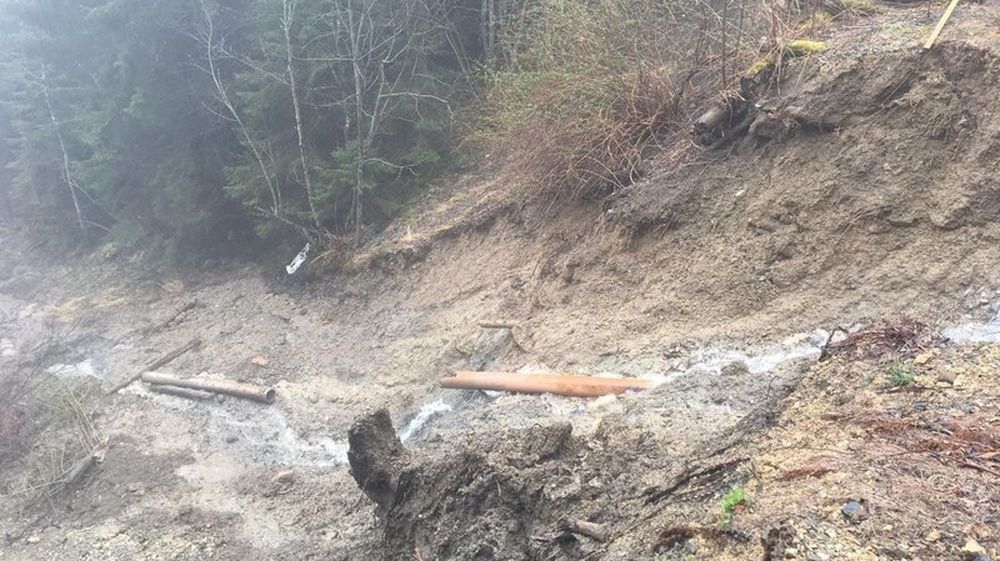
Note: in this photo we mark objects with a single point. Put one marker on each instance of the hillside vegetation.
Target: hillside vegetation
(189, 128)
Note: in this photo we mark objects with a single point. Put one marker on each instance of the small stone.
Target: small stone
(855, 511)
(948, 377)
(33, 539)
(972, 549)
(284, 477)
(791, 553)
(735, 368)
(932, 536)
(818, 556)
(922, 358)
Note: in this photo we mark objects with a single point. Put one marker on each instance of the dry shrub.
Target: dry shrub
(14, 420)
(587, 87)
(889, 340)
(46, 432)
(966, 440)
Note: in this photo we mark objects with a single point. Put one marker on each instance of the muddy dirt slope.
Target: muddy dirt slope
(870, 193)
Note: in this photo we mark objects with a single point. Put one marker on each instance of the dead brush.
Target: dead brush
(600, 144)
(60, 445)
(891, 339)
(962, 441)
(587, 90)
(14, 418)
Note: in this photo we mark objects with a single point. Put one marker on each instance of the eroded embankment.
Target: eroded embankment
(875, 196)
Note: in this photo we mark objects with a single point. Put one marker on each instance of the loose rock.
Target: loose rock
(855, 511)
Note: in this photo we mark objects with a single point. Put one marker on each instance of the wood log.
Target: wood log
(226, 387)
(165, 323)
(158, 363)
(592, 530)
(714, 118)
(180, 392)
(559, 384)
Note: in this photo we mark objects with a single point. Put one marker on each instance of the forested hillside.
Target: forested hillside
(183, 128)
(189, 121)
(617, 280)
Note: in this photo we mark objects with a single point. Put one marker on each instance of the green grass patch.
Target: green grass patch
(899, 375)
(731, 502)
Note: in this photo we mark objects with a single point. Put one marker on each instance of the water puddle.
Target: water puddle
(258, 434)
(988, 332)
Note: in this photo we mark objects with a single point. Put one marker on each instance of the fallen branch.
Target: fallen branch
(165, 323)
(226, 387)
(162, 361)
(82, 467)
(559, 384)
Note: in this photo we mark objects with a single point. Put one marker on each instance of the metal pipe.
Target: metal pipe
(227, 387)
(179, 392)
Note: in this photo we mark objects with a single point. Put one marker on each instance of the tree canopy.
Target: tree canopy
(186, 124)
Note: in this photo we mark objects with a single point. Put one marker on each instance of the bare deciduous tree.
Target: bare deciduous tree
(207, 37)
(71, 184)
(287, 22)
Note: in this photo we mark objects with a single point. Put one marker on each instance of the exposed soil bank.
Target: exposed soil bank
(879, 199)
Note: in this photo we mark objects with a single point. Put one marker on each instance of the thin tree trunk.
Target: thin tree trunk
(355, 37)
(287, 21)
(70, 184)
(224, 97)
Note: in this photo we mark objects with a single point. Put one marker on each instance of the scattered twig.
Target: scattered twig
(693, 473)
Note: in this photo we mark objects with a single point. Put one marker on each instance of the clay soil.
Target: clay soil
(874, 197)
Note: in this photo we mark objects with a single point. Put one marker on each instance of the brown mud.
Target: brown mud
(874, 195)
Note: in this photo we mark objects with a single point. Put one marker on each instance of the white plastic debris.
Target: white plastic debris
(299, 260)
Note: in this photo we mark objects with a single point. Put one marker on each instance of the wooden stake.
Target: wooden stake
(940, 24)
(163, 360)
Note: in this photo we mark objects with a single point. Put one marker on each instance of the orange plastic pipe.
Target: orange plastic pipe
(628, 383)
(559, 384)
